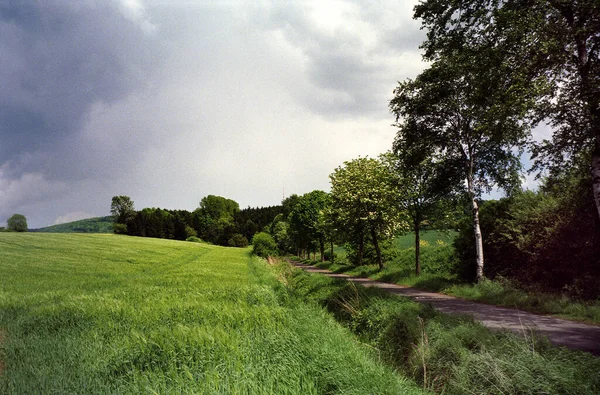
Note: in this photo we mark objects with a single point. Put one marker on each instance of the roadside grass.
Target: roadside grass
(117, 314)
(437, 259)
(445, 353)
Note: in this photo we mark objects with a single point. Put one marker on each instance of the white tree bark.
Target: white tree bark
(478, 238)
(476, 227)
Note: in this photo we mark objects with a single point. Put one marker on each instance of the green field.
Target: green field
(427, 237)
(116, 314)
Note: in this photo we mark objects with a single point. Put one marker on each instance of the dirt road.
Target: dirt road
(561, 332)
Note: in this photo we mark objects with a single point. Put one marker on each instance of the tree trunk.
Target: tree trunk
(417, 249)
(478, 237)
(332, 258)
(361, 247)
(376, 245)
(322, 248)
(596, 173)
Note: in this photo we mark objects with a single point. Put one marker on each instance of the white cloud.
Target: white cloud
(135, 11)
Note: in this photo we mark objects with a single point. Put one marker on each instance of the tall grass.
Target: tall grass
(449, 354)
(116, 314)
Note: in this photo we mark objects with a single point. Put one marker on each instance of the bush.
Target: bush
(264, 245)
(17, 223)
(238, 240)
(194, 239)
(190, 232)
(120, 229)
(546, 240)
(328, 255)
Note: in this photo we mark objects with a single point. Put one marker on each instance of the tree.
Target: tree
(457, 111)
(307, 219)
(553, 41)
(363, 203)
(217, 207)
(122, 209)
(17, 223)
(288, 204)
(263, 245)
(422, 186)
(215, 219)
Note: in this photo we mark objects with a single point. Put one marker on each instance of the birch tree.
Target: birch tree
(456, 111)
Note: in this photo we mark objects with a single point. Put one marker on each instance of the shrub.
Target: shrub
(238, 240)
(194, 239)
(190, 232)
(120, 229)
(328, 255)
(264, 245)
(17, 223)
(545, 240)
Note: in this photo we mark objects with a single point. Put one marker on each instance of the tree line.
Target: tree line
(217, 220)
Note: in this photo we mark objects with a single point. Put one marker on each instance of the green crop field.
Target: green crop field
(115, 314)
(427, 237)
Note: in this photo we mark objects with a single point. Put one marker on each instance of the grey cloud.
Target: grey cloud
(346, 69)
(58, 59)
(232, 99)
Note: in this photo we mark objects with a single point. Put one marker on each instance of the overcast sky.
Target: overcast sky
(170, 101)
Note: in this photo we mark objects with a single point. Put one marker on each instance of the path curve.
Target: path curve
(570, 334)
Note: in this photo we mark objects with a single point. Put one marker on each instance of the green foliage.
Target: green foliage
(289, 203)
(89, 225)
(217, 207)
(364, 204)
(329, 255)
(282, 236)
(264, 245)
(194, 239)
(307, 220)
(238, 240)
(217, 221)
(449, 354)
(100, 314)
(550, 236)
(190, 232)
(119, 229)
(17, 223)
(121, 208)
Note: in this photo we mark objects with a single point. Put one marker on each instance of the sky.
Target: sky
(169, 101)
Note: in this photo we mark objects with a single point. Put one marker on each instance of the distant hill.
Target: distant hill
(89, 225)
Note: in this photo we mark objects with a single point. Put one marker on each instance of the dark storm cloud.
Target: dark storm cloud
(58, 58)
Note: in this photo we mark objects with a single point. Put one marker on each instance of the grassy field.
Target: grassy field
(116, 314)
